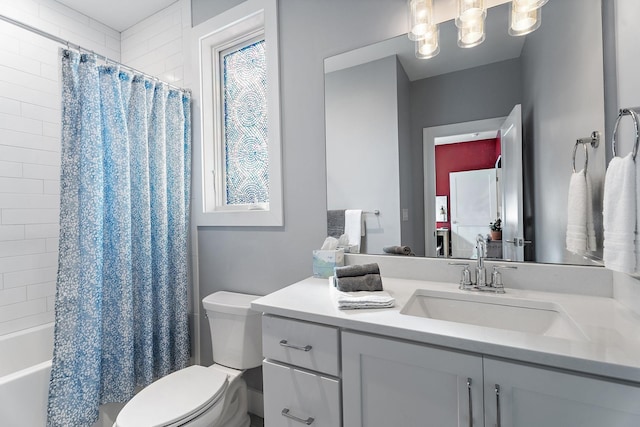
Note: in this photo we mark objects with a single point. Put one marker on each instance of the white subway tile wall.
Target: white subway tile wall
(30, 152)
(158, 44)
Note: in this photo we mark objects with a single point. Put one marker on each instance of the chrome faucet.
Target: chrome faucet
(481, 271)
(495, 285)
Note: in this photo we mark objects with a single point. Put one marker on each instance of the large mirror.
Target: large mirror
(396, 126)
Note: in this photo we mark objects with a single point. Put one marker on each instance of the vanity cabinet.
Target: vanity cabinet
(301, 373)
(389, 382)
(533, 397)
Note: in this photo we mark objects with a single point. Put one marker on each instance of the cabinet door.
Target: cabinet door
(535, 397)
(387, 382)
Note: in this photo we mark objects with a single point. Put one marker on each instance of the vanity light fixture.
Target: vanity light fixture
(422, 30)
(524, 16)
(429, 45)
(420, 18)
(525, 5)
(470, 22)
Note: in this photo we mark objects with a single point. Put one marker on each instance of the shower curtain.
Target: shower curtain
(121, 297)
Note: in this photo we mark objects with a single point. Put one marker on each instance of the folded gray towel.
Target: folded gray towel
(398, 250)
(357, 270)
(368, 282)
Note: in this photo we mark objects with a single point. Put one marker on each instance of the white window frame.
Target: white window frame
(243, 22)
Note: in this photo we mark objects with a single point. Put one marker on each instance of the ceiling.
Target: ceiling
(117, 14)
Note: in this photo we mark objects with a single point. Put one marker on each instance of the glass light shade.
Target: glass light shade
(429, 46)
(527, 5)
(420, 18)
(471, 34)
(521, 23)
(470, 10)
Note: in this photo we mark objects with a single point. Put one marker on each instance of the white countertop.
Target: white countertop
(612, 347)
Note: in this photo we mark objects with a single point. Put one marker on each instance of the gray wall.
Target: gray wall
(557, 109)
(409, 235)
(362, 147)
(201, 10)
(262, 260)
(475, 94)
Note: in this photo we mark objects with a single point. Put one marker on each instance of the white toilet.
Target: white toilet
(200, 396)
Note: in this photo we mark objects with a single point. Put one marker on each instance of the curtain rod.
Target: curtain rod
(80, 48)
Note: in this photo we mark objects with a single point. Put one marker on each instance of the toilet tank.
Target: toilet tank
(236, 330)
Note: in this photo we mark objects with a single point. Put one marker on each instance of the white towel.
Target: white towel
(353, 227)
(581, 236)
(361, 299)
(619, 215)
(591, 229)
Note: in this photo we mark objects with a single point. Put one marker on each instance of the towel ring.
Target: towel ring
(586, 156)
(636, 119)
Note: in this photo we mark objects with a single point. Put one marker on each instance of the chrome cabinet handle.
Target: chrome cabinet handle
(285, 413)
(519, 242)
(498, 423)
(470, 404)
(284, 343)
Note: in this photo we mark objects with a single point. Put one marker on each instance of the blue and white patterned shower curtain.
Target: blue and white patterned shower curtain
(121, 299)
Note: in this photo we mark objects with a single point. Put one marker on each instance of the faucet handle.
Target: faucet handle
(496, 277)
(465, 277)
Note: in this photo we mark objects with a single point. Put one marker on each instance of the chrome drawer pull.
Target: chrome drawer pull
(498, 424)
(284, 343)
(470, 404)
(308, 421)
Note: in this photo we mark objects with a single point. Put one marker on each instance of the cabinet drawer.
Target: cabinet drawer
(294, 398)
(306, 345)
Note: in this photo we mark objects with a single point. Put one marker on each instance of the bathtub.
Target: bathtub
(25, 368)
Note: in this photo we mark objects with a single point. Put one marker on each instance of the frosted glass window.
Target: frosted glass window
(246, 157)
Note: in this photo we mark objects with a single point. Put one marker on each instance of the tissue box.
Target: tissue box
(324, 261)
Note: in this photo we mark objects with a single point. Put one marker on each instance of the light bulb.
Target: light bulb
(521, 23)
(470, 10)
(527, 5)
(420, 18)
(429, 45)
(471, 34)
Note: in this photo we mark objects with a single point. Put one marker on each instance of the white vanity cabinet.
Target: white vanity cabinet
(301, 373)
(395, 383)
(534, 397)
(388, 382)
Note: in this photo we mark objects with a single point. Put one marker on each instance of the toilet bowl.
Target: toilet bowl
(213, 396)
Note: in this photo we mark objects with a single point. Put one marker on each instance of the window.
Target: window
(245, 128)
(237, 167)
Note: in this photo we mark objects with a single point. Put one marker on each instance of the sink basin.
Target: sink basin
(494, 311)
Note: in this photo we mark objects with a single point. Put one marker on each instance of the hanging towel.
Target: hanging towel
(361, 299)
(353, 227)
(619, 215)
(591, 229)
(580, 230)
(335, 222)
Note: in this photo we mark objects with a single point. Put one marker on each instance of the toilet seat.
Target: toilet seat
(175, 399)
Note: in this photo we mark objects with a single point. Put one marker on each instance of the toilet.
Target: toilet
(199, 396)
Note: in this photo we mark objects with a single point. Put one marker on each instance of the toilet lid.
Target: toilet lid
(178, 396)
